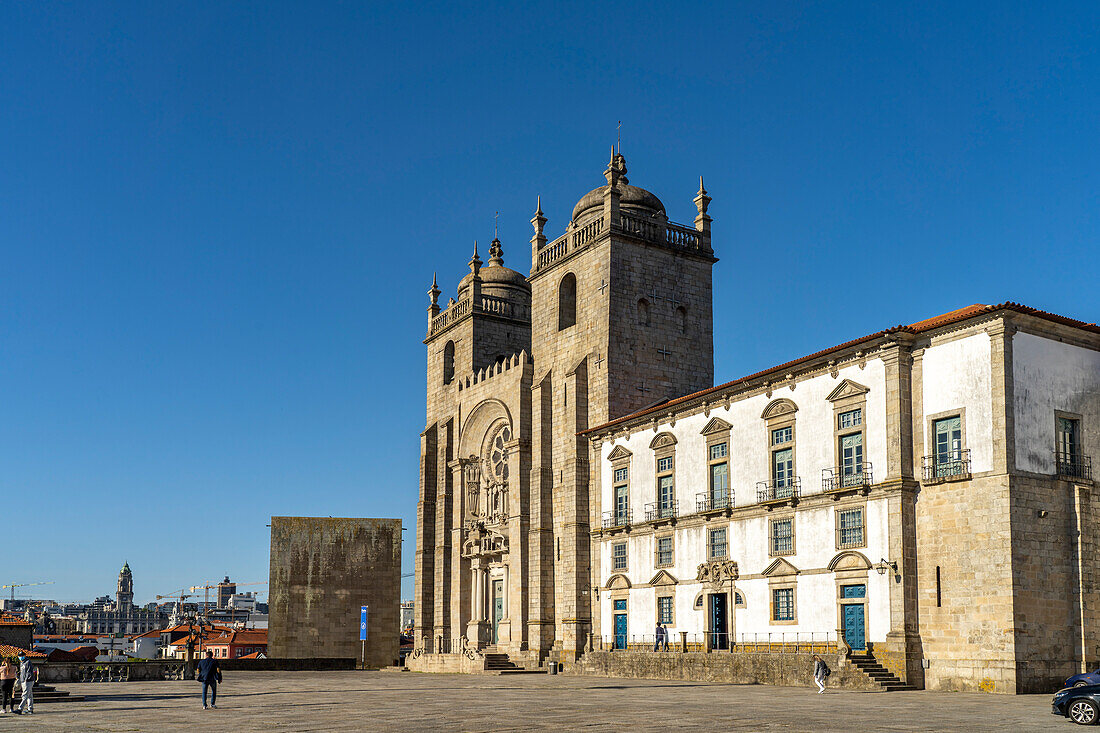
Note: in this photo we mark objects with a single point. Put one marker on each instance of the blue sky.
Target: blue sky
(218, 222)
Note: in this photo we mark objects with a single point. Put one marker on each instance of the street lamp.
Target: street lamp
(883, 565)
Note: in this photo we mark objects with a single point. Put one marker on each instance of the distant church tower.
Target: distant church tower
(125, 596)
(614, 316)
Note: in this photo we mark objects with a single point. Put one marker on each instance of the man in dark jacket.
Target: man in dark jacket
(209, 675)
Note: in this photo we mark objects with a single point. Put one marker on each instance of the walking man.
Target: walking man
(821, 671)
(209, 675)
(28, 675)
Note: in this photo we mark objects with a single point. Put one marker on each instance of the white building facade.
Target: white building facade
(924, 493)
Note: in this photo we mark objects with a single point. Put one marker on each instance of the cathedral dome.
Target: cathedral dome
(631, 198)
(496, 277)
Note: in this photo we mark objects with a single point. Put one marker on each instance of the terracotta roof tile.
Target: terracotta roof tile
(7, 650)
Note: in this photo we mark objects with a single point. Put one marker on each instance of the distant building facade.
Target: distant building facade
(121, 616)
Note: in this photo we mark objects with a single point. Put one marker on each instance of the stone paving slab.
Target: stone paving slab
(408, 701)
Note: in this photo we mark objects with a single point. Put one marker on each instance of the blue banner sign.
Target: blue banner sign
(362, 623)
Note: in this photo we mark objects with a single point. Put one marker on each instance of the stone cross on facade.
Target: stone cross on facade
(599, 361)
(664, 352)
(655, 296)
(603, 286)
(642, 388)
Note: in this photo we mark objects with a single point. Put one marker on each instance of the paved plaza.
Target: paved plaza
(407, 701)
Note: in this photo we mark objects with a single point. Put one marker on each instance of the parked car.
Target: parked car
(1085, 678)
(1079, 704)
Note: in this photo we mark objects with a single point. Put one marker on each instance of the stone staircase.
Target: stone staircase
(881, 676)
(499, 663)
(47, 693)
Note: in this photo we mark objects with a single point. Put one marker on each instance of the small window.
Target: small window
(664, 551)
(567, 302)
(783, 604)
(782, 537)
(449, 362)
(719, 451)
(699, 601)
(643, 312)
(664, 609)
(621, 475)
(738, 599)
(682, 317)
(618, 556)
(664, 464)
(716, 542)
(849, 528)
(850, 419)
(1067, 437)
(782, 435)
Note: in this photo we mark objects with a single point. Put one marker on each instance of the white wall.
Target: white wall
(815, 543)
(956, 375)
(1049, 375)
(749, 449)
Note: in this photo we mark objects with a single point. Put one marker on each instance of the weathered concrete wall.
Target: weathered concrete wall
(322, 571)
(792, 670)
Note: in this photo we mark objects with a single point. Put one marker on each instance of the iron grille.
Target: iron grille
(778, 490)
(1074, 465)
(846, 477)
(617, 519)
(704, 502)
(953, 463)
(657, 510)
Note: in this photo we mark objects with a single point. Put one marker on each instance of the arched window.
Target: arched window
(567, 302)
(448, 362)
(682, 314)
(643, 312)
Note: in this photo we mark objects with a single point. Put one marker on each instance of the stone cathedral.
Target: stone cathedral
(614, 316)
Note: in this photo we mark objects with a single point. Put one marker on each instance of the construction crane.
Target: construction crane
(208, 586)
(23, 585)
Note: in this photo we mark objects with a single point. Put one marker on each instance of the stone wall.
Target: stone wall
(792, 670)
(322, 571)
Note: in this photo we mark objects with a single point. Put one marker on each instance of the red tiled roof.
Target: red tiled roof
(928, 324)
(7, 650)
(10, 619)
(241, 636)
(253, 655)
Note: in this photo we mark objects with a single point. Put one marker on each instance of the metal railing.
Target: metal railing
(779, 490)
(1073, 465)
(617, 519)
(704, 502)
(661, 510)
(953, 463)
(790, 642)
(846, 477)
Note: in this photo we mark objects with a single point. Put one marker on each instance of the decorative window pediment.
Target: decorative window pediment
(618, 453)
(780, 568)
(850, 561)
(716, 425)
(662, 440)
(663, 577)
(617, 582)
(845, 389)
(778, 408)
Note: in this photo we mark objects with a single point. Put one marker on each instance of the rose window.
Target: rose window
(498, 454)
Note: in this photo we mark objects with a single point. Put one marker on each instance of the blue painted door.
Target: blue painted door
(620, 624)
(854, 631)
(718, 624)
(498, 608)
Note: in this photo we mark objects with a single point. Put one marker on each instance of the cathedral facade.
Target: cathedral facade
(919, 501)
(614, 316)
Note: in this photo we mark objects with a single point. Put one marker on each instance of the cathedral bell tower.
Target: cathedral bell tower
(622, 320)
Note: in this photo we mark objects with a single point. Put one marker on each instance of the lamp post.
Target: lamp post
(883, 565)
